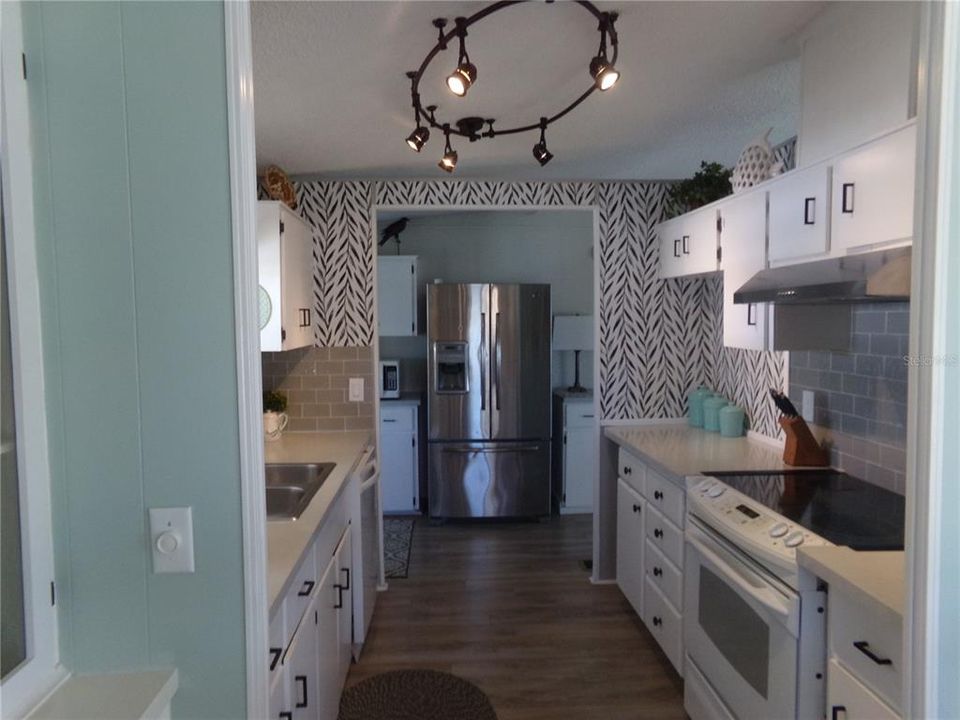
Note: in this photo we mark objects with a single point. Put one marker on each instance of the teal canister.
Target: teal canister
(695, 405)
(711, 412)
(731, 421)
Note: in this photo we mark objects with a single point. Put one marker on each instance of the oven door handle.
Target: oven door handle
(745, 579)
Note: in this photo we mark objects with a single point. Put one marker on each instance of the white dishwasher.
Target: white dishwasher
(371, 552)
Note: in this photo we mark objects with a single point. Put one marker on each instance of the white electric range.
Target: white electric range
(754, 642)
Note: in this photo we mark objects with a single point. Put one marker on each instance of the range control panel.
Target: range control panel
(747, 523)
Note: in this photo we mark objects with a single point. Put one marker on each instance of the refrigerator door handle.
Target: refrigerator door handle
(483, 357)
(498, 355)
(490, 450)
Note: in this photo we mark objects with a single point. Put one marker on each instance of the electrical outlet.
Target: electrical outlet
(356, 390)
(807, 405)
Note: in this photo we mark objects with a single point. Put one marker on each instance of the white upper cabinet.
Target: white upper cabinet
(873, 193)
(743, 226)
(688, 244)
(397, 295)
(285, 264)
(800, 215)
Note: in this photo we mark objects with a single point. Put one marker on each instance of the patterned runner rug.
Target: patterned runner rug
(415, 695)
(397, 537)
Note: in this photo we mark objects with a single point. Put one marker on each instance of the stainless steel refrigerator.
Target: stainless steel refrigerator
(488, 375)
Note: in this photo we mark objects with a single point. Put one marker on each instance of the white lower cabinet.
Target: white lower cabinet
(574, 457)
(399, 467)
(302, 668)
(850, 699)
(650, 519)
(328, 644)
(630, 512)
(344, 605)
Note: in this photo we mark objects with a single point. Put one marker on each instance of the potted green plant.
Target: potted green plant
(275, 416)
(708, 184)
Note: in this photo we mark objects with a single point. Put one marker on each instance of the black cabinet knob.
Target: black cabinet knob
(657, 495)
(657, 572)
(636, 508)
(657, 533)
(657, 622)
(627, 470)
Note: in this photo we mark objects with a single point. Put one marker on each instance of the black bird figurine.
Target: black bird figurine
(393, 230)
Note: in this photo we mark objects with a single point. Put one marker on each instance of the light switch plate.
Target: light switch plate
(171, 539)
(356, 390)
(807, 405)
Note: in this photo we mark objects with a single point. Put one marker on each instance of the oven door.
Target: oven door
(740, 629)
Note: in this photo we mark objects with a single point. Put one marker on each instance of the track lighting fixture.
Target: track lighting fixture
(603, 74)
(460, 80)
(540, 152)
(449, 160)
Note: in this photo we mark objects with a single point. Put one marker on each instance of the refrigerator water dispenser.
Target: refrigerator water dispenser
(451, 367)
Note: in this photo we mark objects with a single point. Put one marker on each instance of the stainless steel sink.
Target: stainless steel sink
(291, 487)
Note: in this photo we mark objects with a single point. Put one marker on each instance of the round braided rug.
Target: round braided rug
(415, 695)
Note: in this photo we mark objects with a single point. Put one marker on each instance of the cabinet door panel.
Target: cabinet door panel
(631, 509)
(397, 295)
(849, 699)
(398, 471)
(670, 252)
(578, 468)
(698, 243)
(873, 193)
(743, 224)
(329, 683)
(296, 281)
(302, 670)
(800, 215)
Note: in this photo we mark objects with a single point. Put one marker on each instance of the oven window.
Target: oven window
(741, 635)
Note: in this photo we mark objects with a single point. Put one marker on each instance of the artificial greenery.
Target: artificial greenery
(274, 401)
(710, 183)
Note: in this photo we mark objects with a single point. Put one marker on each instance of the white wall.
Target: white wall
(859, 75)
(519, 246)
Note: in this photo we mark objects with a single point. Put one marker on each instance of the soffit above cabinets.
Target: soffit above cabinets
(332, 99)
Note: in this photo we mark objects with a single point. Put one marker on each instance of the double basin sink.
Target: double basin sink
(291, 487)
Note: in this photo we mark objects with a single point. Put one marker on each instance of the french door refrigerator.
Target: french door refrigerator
(488, 408)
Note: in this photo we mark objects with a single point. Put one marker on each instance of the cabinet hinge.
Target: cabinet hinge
(316, 617)
(281, 227)
(564, 438)
(53, 593)
(413, 327)
(719, 254)
(23, 64)
(283, 334)
(719, 224)
(413, 501)
(413, 270)
(564, 500)
(413, 442)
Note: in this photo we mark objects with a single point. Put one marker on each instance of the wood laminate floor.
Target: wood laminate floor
(510, 608)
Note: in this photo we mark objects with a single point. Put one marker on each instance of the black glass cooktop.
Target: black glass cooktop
(838, 507)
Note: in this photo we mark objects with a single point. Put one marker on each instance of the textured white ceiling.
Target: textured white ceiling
(699, 80)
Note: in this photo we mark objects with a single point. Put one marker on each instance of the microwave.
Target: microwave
(389, 379)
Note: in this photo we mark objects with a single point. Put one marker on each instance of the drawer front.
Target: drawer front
(858, 630)
(849, 699)
(664, 536)
(631, 470)
(664, 574)
(578, 414)
(665, 497)
(300, 592)
(396, 418)
(664, 624)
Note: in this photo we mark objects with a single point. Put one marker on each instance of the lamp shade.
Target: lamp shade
(573, 332)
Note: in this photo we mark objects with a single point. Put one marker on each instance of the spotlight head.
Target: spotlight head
(604, 74)
(418, 138)
(449, 161)
(541, 154)
(460, 80)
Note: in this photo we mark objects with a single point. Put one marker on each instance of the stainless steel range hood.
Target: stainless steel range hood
(880, 276)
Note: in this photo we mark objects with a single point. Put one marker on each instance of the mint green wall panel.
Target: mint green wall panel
(129, 117)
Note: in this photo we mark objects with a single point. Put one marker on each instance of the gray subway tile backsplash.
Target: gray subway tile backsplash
(861, 396)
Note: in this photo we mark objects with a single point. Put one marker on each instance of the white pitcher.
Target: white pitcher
(273, 424)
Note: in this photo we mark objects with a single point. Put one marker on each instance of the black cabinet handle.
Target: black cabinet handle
(339, 589)
(627, 470)
(686, 244)
(657, 572)
(751, 314)
(864, 647)
(657, 622)
(636, 508)
(285, 715)
(301, 680)
(809, 211)
(657, 533)
(836, 710)
(307, 588)
(657, 495)
(275, 655)
(846, 199)
(676, 248)
(347, 571)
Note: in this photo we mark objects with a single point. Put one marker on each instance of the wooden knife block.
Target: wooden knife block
(801, 447)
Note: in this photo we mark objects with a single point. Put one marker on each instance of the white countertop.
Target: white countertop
(876, 576)
(288, 539)
(681, 450)
(112, 696)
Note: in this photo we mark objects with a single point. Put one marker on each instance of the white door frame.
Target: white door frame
(243, 201)
(932, 308)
